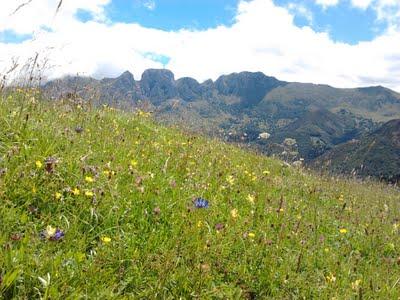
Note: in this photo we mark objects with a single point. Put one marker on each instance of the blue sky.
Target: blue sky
(344, 43)
(173, 14)
(343, 22)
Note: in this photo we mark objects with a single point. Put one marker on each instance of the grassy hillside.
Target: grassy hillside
(97, 203)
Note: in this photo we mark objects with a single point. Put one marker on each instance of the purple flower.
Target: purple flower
(58, 235)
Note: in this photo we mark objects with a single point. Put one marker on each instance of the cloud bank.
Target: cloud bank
(263, 38)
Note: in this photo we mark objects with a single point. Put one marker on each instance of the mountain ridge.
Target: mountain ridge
(238, 107)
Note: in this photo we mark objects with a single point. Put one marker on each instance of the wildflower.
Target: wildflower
(343, 230)
(251, 198)
(58, 195)
(234, 213)
(251, 235)
(89, 194)
(75, 192)
(133, 163)
(199, 223)
(105, 239)
(201, 203)
(219, 226)
(396, 227)
(341, 198)
(330, 278)
(52, 234)
(266, 172)
(356, 284)
(79, 129)
(253, 177)
(230, 179)
(38, 164)
(50, 164)
(89, 179)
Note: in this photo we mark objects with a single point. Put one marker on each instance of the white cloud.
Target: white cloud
(262, 38)
(30, 17)
(326, 3)
(387, 10)
(149, 4)
(302, 11)
(363, 4)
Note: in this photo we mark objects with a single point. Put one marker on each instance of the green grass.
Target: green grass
(287, 244)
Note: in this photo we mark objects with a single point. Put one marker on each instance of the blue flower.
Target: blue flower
(201, 203)
(58, 235)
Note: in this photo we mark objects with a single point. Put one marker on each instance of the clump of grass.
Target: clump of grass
(99, 203)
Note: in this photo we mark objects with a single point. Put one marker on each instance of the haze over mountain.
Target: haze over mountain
(241, 106)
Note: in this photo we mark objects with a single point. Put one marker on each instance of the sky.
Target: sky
(343, 43)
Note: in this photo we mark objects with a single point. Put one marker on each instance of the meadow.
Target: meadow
(97, 203)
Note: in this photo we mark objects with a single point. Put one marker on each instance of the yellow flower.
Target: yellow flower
(76, 192)
(106, 173)
(234, 213)
(58, 196)
(133, 163)
(251, 198)
(251, 235)
(38, 164)
(356, 284)
(105, 239)
(343, 230)
(330, 278)
(89, 179)
(89, 194)
(50, 231)
(199, 224)
(230, 179)
(341, 198)
(266, 172)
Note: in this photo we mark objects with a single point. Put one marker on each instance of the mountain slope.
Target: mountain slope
(316, 132)
(377, 103)
(98, 203)
(241, 106)
(377, 154)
